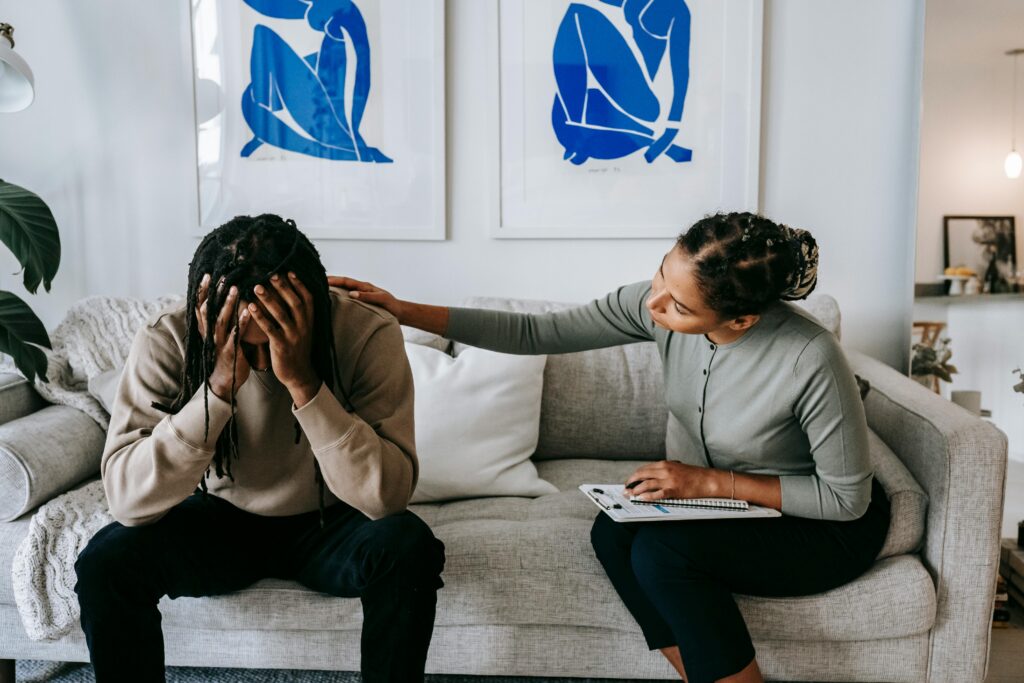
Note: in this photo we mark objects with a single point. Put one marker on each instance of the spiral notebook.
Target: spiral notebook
(615, 503)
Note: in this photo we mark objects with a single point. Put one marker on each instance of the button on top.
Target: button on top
(712, 347)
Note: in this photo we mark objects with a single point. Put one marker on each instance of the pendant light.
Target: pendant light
(1014, 164)
(17, 85)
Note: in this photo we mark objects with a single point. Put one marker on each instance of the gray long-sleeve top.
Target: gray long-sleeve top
(781, 400)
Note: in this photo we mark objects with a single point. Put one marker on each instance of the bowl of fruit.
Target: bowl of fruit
(957, 276)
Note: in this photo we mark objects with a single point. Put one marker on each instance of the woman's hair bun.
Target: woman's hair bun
(804, 277)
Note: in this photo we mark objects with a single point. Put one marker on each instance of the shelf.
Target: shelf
(970, 298)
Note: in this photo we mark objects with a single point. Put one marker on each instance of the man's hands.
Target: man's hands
(671, 479)
(287, 320)
(229, 364)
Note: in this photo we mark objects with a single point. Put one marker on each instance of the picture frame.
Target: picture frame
(550, 183)
(330, 116)
(985, 244)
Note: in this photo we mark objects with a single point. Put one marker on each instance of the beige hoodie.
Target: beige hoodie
(152, 460)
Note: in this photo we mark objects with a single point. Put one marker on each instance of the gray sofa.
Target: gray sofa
(525, 595)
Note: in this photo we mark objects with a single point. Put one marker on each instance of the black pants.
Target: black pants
(207, 546)
(677, 578)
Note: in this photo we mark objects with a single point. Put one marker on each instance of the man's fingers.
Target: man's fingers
(291, 298)
(225, 316)
(265, 324)
(304, 294)
(204, 288)
(201, 319)
(275, 307)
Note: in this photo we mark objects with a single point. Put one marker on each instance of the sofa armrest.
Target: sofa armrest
(44, 454)
(18, 397)
(960, 461)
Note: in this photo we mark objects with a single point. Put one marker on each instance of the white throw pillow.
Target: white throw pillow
(477, 423)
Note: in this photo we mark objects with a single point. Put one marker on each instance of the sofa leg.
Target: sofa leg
(6, 671)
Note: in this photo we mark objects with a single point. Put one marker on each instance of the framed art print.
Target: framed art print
(985, 244)
(624, 118)
(329, 112)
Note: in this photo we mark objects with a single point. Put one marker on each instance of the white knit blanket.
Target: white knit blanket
(93, 338)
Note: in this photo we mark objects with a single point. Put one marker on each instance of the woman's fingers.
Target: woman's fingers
(657, 494)
(378, 297)
(349, 283)
(645, 486)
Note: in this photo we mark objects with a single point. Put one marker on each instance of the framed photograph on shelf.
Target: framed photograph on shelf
(986, 245)
(329, 112)
(623, 120)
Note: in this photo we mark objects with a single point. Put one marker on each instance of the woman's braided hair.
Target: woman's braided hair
(745, 262)
(245, 252)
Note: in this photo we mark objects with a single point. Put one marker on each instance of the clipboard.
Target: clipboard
(614, 502)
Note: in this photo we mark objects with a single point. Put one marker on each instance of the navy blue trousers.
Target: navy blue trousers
(678, 578)
(207, 546)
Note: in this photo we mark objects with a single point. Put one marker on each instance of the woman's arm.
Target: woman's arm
(619, 318)
(831, 413)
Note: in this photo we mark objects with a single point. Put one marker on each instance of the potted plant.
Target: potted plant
(29, 230)
(931, 363)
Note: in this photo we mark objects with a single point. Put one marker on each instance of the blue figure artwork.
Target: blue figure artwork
(310, 89)
(605, 106)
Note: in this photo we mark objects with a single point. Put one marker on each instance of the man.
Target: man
(301, 402)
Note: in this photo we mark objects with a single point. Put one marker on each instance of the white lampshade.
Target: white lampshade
(17, 85)
(1013, 165)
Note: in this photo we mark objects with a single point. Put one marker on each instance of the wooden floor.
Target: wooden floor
(1006, 662)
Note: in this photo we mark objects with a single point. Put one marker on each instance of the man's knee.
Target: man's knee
(105, 562)
(405, 542)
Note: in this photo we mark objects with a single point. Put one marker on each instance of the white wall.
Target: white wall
(965, 124)
(108, 143)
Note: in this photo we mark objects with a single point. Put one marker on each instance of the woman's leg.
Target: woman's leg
(612, 543)
(200, 547)
(690, 570)
(394, 566)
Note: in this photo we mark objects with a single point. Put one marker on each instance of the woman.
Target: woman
(763, 407)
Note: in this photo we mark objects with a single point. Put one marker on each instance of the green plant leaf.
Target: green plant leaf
(21, 335)
(29, 230)
(951, 369)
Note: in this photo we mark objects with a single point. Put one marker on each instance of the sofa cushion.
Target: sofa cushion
(43, 454)
(529, 561)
